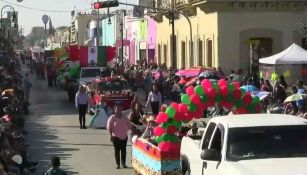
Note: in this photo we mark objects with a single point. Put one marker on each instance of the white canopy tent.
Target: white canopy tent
(292, 55)
(291, 63)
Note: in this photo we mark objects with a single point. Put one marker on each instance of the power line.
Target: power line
(41, 10)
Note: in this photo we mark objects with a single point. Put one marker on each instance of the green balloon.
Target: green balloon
(186, 99)
(170, 111)
(172, 121)
(231, 87)
(230, 98)
(216, 87)
(199, 90)
(239, 103)
(192, 107)
(204, 98)
(218, 98)
(165, 125)
(256, 100)
(158, 139)
(251, 108)
(170, 138)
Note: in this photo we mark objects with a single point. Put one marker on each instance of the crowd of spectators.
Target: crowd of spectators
(14, 101)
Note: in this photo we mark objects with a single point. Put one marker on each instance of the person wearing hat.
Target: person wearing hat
(118, 126)
(81, 102)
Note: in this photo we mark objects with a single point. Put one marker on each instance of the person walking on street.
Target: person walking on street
(81, 102)
(27, 87)
(155, 100)
(118, 126)
(55, 167)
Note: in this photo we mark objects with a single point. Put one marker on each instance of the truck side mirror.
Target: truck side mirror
(210, 154)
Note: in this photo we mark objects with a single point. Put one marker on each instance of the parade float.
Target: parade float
(160, 155)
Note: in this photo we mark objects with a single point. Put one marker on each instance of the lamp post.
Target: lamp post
(13, 22)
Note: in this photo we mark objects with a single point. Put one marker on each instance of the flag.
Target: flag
(92, 55)
(73, 53)
(83, 56)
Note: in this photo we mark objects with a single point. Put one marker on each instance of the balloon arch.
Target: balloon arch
(194, 102)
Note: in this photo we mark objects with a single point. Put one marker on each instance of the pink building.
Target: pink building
(142, 36)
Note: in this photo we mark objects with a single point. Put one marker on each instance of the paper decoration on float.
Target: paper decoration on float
(286, 74)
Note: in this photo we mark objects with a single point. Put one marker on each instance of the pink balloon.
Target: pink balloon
(222, 82)
(183, 108)
(206, 84)
(158, 131)
(195, 99)
(237, 85)
(190, 90)
(171, 148)
(224, 90)
(171, 129)
(161, 118)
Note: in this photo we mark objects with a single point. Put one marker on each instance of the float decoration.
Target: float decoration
(165, 158)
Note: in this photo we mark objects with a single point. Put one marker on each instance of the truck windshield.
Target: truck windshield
(267, 142)
(90, 73)
(116, 85)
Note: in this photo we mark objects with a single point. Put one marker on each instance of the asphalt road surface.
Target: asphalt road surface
(54, 130)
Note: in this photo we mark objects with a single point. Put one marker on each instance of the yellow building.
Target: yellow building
(222, 31)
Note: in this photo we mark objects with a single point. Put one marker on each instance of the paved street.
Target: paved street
(54, 130)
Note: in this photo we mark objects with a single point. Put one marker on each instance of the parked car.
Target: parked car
(111, 90)
(249, 144)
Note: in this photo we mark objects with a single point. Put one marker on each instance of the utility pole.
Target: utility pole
(173, 36)
(123, 14)
(98, 27)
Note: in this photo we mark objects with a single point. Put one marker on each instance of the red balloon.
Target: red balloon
(188, 117)
(172, 129)
(190, 90)
(247, 99)
(158, 131)
(211, 92)
(237, 93)
(174, 105)
(237, 85)
(206, 84)
(183, 108)
(198, 114)
(164, 146)
(179, 116)
(228, 105)
(222, 82)
(241, 111)
(195, 99)
(258, 108)
(224, 90)
(161, 118)
(202, 106)
(211, 102)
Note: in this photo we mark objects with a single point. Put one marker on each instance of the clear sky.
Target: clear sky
(29, 18)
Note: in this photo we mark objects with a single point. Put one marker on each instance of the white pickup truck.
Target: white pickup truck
(259, 144)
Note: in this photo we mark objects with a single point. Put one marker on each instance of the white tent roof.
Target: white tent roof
(292, 55)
